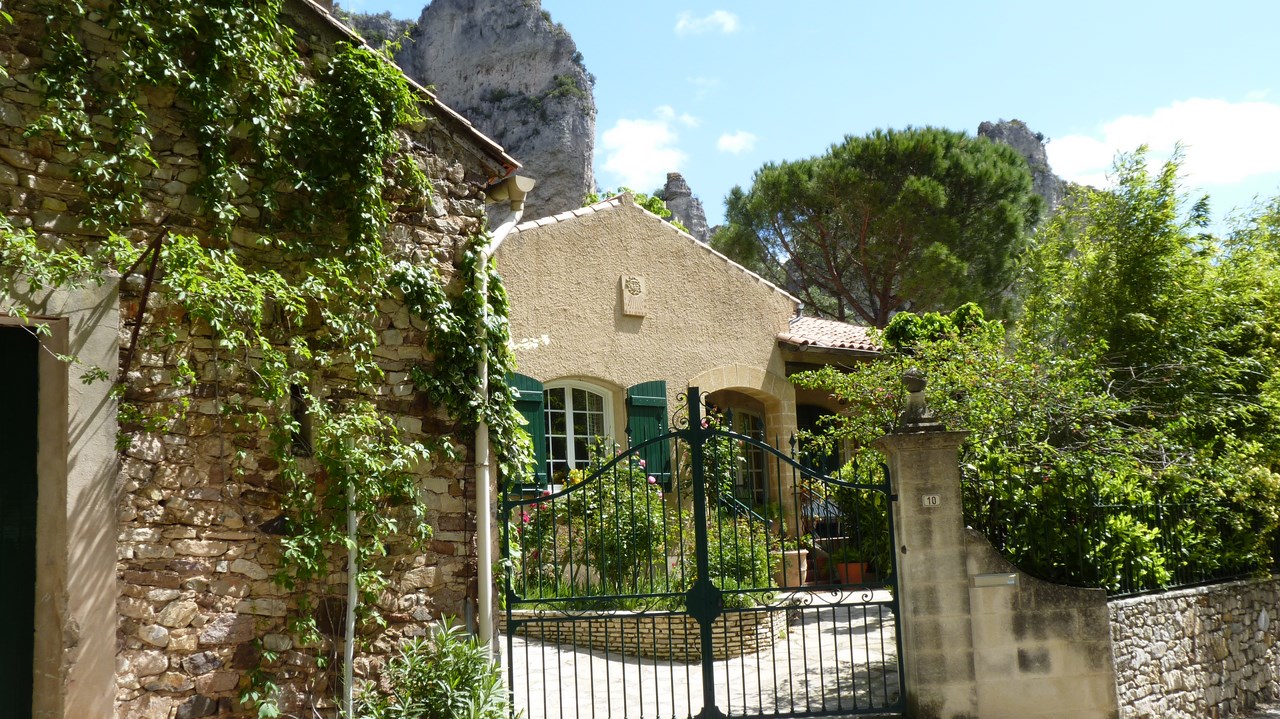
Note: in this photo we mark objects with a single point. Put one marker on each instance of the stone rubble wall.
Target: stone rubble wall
(1203, 652)
(658, 636)
(198, 507)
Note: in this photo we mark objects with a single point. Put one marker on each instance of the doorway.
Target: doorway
(19, 353)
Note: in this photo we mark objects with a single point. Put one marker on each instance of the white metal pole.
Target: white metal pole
(349, 636)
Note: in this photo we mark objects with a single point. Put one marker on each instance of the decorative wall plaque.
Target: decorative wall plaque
(634, 293)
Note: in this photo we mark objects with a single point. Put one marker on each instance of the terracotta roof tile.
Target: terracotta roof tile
(818, 333)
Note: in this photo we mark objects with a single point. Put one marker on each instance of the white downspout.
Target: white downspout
(513, 189)
(353, 571)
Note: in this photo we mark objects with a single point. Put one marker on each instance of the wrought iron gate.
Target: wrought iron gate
(652, 585)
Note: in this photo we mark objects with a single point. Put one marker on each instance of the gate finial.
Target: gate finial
(916, 416)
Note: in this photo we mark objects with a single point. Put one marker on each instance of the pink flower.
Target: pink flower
(524, 517)
(546, 493)
(642, 464)
(653, 479)
(705, 423)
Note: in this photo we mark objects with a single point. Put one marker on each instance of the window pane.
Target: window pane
(556, 422)
(595, 424)
(556, 447)
(555, 398)
(580, 453)
(595, 402)
(579, 398)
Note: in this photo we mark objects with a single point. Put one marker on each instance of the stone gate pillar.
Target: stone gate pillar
(933, 585)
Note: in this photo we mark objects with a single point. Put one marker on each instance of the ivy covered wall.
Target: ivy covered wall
(266, 193)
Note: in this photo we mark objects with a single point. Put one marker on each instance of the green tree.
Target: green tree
(1187, 323)
(921, 219)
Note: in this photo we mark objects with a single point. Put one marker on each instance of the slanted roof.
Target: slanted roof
(456, 123)
(618, 201)
(813, 333)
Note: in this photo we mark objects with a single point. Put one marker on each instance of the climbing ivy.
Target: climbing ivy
(452, 327)
(300, 165)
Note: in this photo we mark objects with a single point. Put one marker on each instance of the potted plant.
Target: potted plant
(791, 562)
(848, 566)
(864, 519)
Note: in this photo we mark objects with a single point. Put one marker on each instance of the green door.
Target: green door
(18, 373)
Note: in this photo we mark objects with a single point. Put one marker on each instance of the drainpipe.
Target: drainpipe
(511, 190)
(353, 570)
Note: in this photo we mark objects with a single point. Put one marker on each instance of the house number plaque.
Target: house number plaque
(930, 501)
(634, 293)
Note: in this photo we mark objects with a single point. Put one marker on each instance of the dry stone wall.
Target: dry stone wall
(656, 636)
(1203, 652)
(198, 505)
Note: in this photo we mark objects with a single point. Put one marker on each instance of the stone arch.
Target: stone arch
(779, 399)
(772, 390)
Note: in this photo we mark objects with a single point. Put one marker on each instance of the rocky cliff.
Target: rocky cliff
(518, 77)
(1030, 145)
(685, 208)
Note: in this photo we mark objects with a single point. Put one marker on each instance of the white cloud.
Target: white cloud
(640, 152)
(1224, 142)
(721, 20)
(667, 113)
(702, 85)
(737, 142)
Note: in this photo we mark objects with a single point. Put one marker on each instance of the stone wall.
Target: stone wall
(1204, 652)
(197, 507)
(657, 636)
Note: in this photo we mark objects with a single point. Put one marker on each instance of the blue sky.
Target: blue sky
(716, 89)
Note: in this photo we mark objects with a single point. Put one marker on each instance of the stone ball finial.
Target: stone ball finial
(915, 380)
(916, 416)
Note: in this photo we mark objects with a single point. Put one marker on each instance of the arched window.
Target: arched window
(577, 413)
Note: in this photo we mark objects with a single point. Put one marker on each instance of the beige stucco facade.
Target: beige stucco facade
(707, 322)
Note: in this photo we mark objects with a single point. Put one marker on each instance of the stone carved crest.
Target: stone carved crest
(634, 292)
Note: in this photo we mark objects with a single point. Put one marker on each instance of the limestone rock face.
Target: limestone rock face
(1030, 145)
(519, 78)
(684, 207)
(376, 29)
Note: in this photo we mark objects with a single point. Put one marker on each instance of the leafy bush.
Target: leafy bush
(609, 529)
(1055, 471)
(738, 555)
(447, 675)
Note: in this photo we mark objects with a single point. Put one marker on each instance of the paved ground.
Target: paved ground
(835, 655)
(1266, 711)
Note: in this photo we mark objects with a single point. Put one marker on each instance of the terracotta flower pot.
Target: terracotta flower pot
(851, 572)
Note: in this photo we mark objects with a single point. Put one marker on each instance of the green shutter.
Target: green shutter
(530, 406)
(646, 419)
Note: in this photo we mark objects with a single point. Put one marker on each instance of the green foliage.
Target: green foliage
(737, 554)
(920, 218)
(652, 203)
(452, 324)
(314, 145)
(447, 675)
(609, 528)
(864, 514)
(1124, 431)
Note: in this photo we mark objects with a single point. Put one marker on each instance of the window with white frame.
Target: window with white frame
(577, 413)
